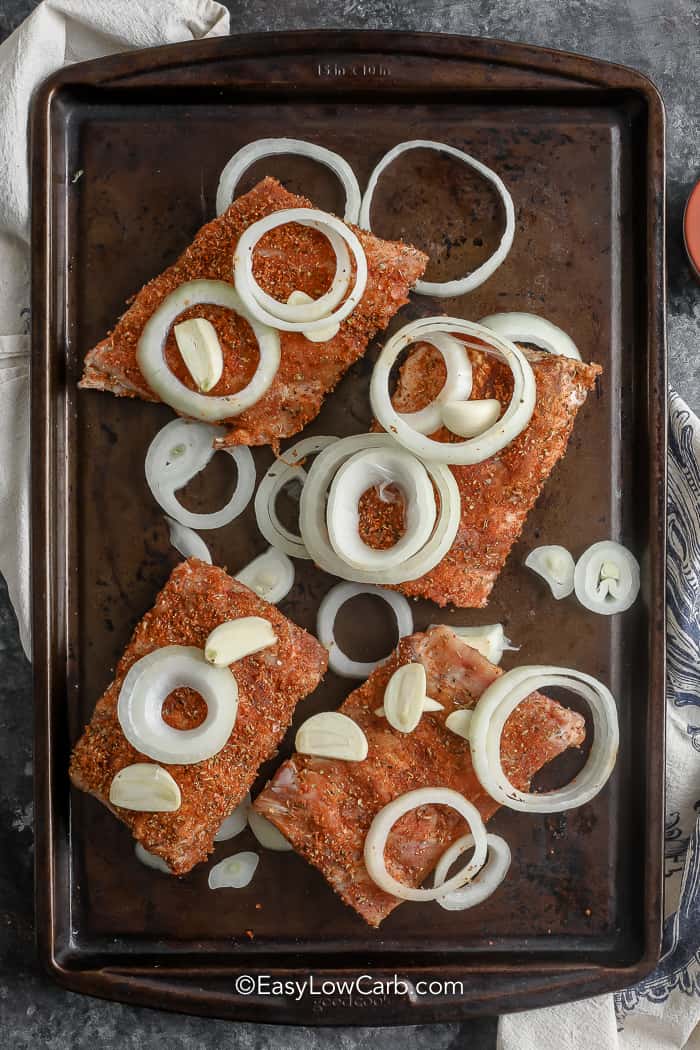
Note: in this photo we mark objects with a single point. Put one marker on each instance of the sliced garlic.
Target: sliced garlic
(428, 705)
(556, 566)
(234, 639)
(151, 860)
(468, 419)
(235, 822)
(331, 734)
(267, 834)
(404, 697)
(459, 721)
(145, 787)
(201, 351)
(235, 872)
(318, 335)
(489, 640)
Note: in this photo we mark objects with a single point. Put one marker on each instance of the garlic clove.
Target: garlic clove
(404, 696)
(235, 639)
(145, 787)
(331, 734)
(201, 351)
(468, 419)
(459, 721)
(428, 705)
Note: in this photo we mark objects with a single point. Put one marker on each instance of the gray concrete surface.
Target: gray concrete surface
(659, 38)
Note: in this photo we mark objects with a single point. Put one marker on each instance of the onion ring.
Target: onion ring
(364, 470)
(384, 821)
(529, 328)
(248, 155)
(333, 601)
(150, 680)
(484, 883)
(606, 578)
(473, 450)
(156, 371)
(283, 471)
(447, 289)
(497, 703)
(312, 518)
(457, 385)
(179, 451)
(254, 297)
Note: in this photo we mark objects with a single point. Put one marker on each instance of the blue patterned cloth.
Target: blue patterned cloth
(662, 1012)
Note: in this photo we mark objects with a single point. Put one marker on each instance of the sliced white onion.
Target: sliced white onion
(364, 470)
(328, 610)
(484, 883)
(556, 566)
(323, 335)
(235, 872)
(267, 834)
(404, 697)
(151, 679)
(467, 419)
(489, 640)
(458, 722)
(150, 353)
(235, 639)
(446, 289)
(606, 578)
(270, 312)
(145, 787)
(473, 450)
(312, 517)
(381, 826)
(271, 575)
(331, 734)
(187, 542)
(201, 351)
(253, 151)
(528, 328)
(497, 703)
(151, 860)
(180, 451)
(285, 471)
(457, 385)
(235, 822)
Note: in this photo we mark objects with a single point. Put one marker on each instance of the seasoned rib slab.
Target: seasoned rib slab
(325, 807)
(498, 494)
(288, 258)
(195, 599)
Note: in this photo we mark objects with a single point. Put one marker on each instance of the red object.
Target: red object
(691, 228)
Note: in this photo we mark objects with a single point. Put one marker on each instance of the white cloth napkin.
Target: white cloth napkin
(57, 33)
(663, 1011)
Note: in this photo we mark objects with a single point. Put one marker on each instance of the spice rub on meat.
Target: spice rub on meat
(498, 494)
(288, 258)
(197, 598)
(325, 807)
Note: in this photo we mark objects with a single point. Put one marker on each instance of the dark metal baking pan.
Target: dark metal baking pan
(126, 156)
